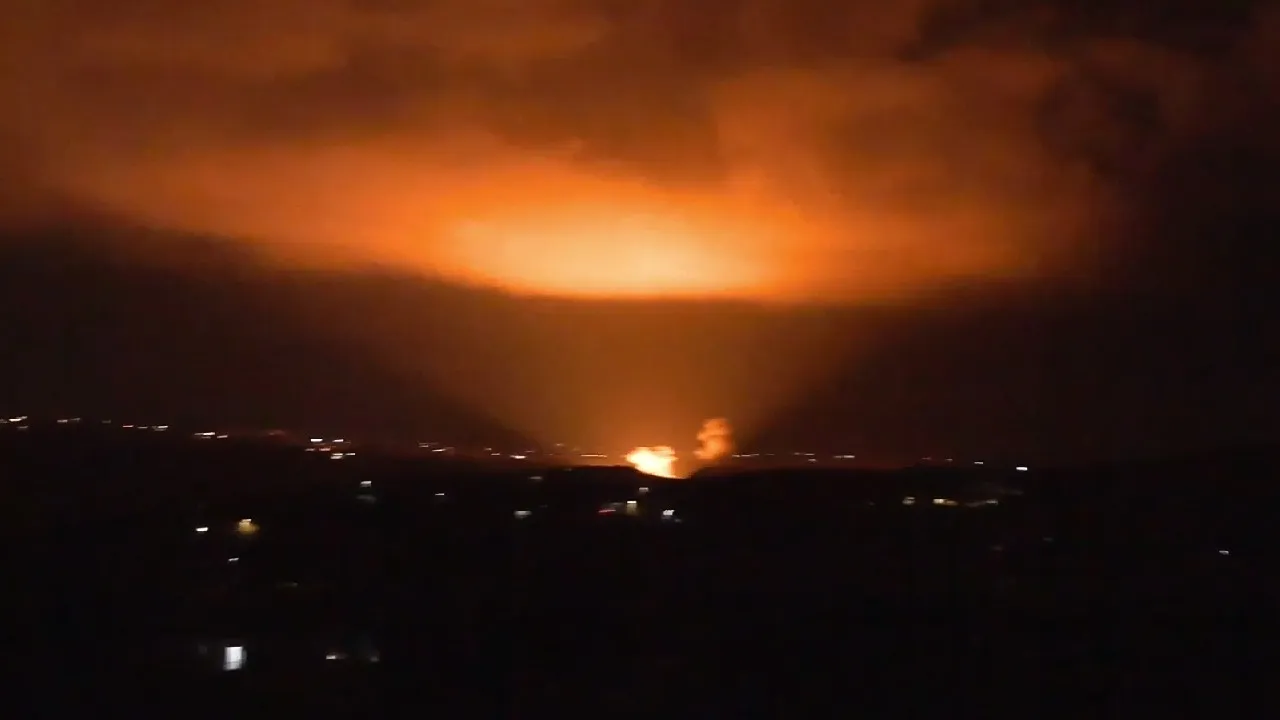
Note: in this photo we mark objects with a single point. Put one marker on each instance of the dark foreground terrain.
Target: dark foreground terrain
(207, 578)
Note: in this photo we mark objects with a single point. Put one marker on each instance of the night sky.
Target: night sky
(987, 229)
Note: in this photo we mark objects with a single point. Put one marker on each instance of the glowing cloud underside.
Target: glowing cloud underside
(517, 145)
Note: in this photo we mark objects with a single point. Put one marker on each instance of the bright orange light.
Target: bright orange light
(659, 461)
(554, 227)
(602, 252)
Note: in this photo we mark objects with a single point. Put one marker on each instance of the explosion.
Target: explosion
(715, 440)
(659, 461)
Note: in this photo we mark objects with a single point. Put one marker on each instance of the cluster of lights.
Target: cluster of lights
(234, 657)
(948, 502)
(244, 527)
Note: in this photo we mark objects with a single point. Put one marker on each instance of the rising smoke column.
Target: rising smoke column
(715, 440)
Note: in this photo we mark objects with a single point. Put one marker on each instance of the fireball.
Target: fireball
(659, 461)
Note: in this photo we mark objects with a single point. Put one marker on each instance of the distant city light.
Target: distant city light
(977, 462)
(317, 440)
(202, 529)
(366, 483)
(1224, 552)
(1021, 468)
(519, 457)
(233, 560)
(522, 514)
(668, 513)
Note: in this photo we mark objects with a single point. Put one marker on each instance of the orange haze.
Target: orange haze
(568, 149)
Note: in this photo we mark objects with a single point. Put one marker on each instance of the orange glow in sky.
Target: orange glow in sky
(552, 227)
(602, 252)
(518, 147)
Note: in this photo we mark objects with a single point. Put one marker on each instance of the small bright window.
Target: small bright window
(233, 657)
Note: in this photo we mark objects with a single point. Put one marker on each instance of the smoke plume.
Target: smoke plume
(715, 440)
